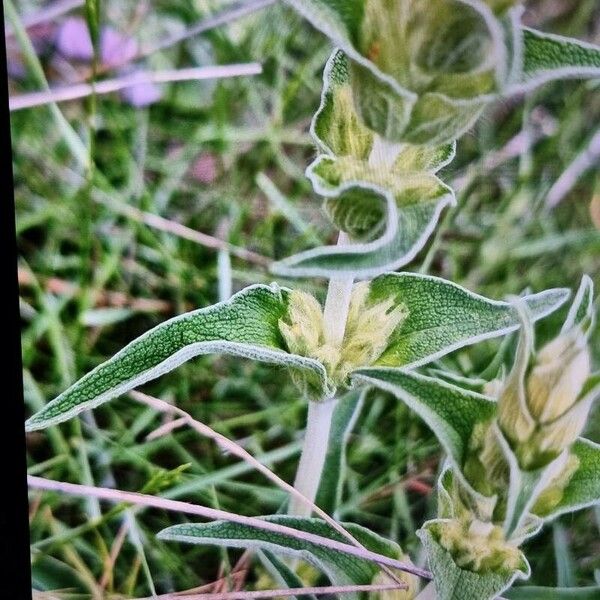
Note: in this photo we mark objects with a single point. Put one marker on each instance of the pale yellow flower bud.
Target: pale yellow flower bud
(513, 413)
(559, 434)
(303, 332)
(369, 327)
(560, 371)
(478, 546)
(543, 412)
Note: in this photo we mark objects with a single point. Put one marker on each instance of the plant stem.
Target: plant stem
(337, 304)
(383, 153)
(316, 437)
(335, 314)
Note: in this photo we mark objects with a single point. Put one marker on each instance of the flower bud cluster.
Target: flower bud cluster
(477, 545)
(542, 407)
(369, 327)
(426, 62)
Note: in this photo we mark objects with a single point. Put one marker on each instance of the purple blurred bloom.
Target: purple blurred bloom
(15, 66)
(205, 168)
(142, 94)
(73, 40)
(41, 35)
(116, 48)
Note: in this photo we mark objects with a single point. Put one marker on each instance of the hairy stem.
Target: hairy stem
(318, 425)
(335, 314)
(383, 153)
(310, 468)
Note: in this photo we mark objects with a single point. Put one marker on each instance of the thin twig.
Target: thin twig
(119, 496)
(229, 446)
(61, 287)
(185, 232)
(111, 559)
(46, 14)
(82, 90)
(589, 157)
(165, 429)
(208, 588)
(317, 591)
(222, 18)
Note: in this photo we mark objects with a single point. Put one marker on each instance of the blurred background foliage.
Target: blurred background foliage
(226, 158)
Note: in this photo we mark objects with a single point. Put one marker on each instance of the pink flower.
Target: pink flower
(141, 94)
(116, 48)
(204, 168)
(73, 40)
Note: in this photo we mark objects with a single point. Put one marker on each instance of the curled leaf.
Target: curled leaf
(421, 73)
(385, 196)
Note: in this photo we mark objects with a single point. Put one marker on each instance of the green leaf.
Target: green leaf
(453, 583)
(547, 57)
(548, 593)
(443, 316)
(383, 105)
(283, 574)
(405, 234)
(342, 569)
(582, 307)
(344, 417)
(583, 489)
(435, 118)
(525, 487)
(336, 127)
(245, 326)
(466, 383)
(450, 411)
(385, 196)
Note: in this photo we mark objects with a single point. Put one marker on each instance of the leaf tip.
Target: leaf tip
(33, 424)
